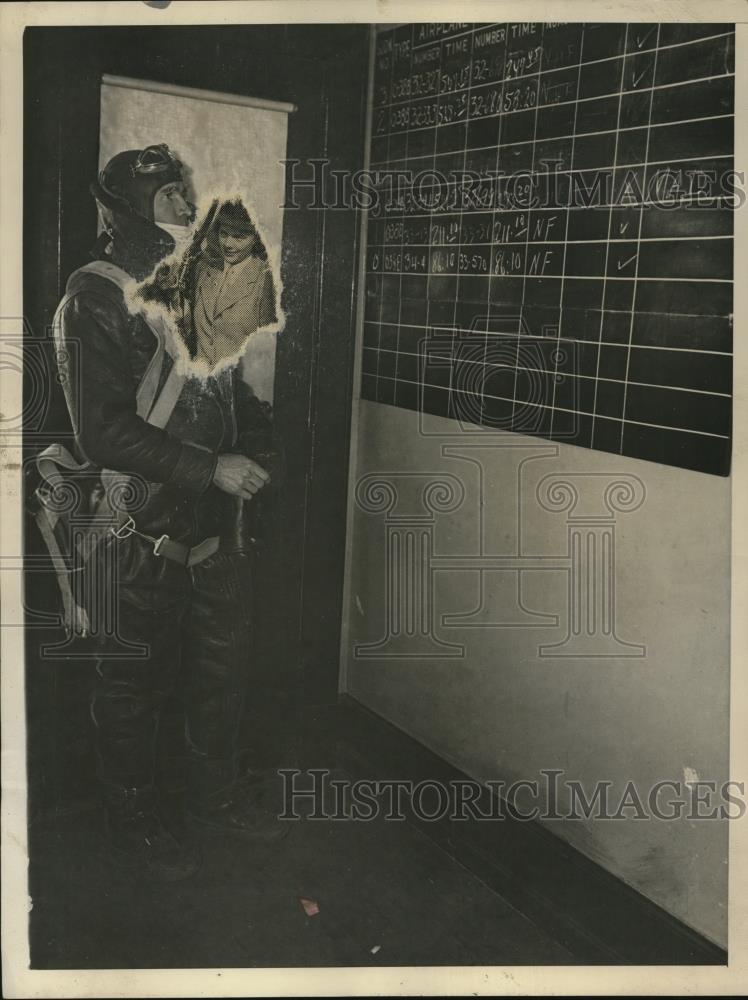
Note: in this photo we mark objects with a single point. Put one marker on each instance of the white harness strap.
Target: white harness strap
(146, 392)
(51, 460)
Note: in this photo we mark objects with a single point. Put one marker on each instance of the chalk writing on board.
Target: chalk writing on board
(564, 181)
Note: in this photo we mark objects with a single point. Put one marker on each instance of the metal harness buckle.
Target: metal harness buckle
(128, 528)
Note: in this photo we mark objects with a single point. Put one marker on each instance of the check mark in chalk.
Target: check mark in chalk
(622, 264)
(637, 79)
(641, 40)
(622, 228)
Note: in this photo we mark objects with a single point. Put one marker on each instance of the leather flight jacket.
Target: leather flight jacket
(106, 351)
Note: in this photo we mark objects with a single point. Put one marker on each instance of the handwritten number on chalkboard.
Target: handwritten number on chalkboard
(507, 261)
(441, 233)
(666, 287)
(520, 98)
(480, 70)
(487, 103)
(520, 63)
(456, 80)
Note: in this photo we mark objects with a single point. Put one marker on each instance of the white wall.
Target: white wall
(504, 711)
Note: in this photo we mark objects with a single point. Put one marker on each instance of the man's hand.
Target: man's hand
(239, 476)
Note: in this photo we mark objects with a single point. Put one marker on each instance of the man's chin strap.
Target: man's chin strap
(133, 243)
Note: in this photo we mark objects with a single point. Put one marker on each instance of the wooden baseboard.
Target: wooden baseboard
(592, 913)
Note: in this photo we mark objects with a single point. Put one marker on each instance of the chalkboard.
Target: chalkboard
(549, 245)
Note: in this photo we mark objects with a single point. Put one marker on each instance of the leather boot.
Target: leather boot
(138, 840)
(220, 798)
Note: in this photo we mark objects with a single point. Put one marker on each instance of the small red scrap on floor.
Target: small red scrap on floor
(311, 908)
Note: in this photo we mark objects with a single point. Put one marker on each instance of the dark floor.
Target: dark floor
(376, 883)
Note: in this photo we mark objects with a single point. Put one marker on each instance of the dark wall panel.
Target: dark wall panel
(323, 70)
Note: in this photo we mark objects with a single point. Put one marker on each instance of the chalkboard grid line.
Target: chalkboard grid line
(491, 275)
(600, 59)
(591, 62)
(580, 135)
(527, 238)
(433, 356)
(400, 279)
(562, 104)
(459, 238)
(422, 373)
(569, 277)
(636, 267)
(561, 316)
(564, 409)
(558, 104)
(583, 135)
(567, 339)
(545, 107)
(381, 301)
(554, 371)
(423, 282)
(615, 239)
(728, 200)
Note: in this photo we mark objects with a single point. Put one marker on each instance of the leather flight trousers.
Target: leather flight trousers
(198, 643)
